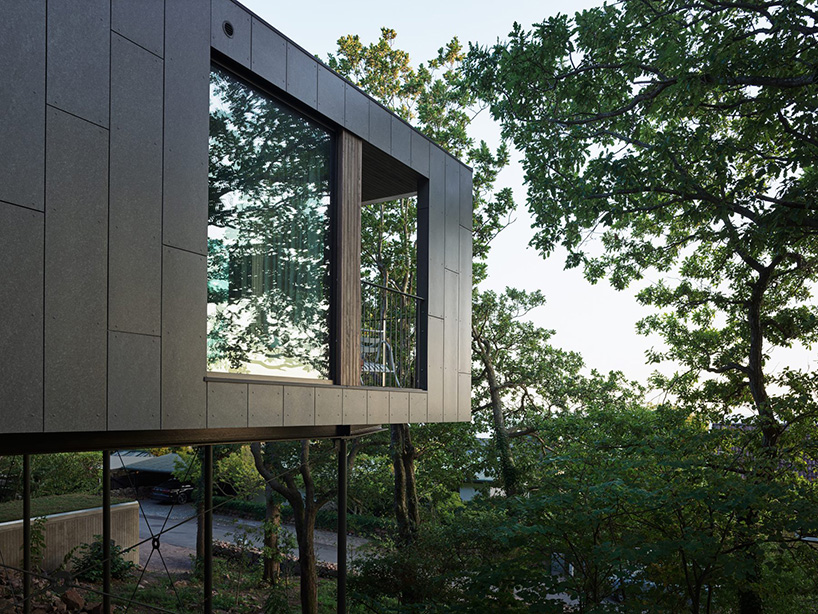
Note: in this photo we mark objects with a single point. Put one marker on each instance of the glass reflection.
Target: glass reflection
(268, 236)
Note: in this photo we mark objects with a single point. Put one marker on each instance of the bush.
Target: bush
(87, 562)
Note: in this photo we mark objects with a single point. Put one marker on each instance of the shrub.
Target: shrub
(87, 562)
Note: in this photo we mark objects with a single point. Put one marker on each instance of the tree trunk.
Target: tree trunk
(502, 441)
(749, 601)
(272, 526)
(406, 497)
(305, 534)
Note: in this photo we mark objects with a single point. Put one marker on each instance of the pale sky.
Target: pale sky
(596, 321)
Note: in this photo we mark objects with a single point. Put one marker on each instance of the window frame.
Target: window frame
(253, 81)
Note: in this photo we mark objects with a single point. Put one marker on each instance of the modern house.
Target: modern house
(180, 234)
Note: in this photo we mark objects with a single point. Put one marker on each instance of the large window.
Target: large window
(268, 236)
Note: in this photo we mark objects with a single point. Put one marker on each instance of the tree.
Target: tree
(429, 98)
(682, 136)
(520, 378)
(307, 484)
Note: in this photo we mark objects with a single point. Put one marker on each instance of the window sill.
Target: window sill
(242, 378)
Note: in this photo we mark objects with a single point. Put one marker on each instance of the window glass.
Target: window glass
(268, 236)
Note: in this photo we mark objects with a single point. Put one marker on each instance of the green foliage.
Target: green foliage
(430, 572)
(679, 136)
(37, 542)
(86, 562)
(239, 470)
(644, 505)
(52, 474)
(64, 472)
(432, 99)
(676, 141)
(232, 465)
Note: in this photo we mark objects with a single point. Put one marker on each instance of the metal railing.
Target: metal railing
(389, 337)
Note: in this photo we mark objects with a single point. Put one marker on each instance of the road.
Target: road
(178, 543)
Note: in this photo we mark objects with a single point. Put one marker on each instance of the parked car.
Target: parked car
(172, 491)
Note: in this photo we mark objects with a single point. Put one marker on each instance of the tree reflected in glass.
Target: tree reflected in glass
(268, 236)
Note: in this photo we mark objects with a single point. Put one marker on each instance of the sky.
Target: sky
(595, 320)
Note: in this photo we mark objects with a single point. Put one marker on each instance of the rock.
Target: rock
(73, 600)
(95, 608)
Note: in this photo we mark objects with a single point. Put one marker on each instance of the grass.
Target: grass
(54, 504)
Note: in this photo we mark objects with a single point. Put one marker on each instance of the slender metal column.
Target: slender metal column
(342, 526)
(106, 531)
(26, 534)
(208, 529)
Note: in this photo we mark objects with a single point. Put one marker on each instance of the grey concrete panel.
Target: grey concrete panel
(356, 112)
(437, 178)
(329, 402)
(464, 307)
(377, 406)
(380, 128)
(435, 374)
(401, 141)
(135, 222)
(134, 389)
(466, 207)
(452, 215)
(420, 153)
(331, 95)
(299, 405)
(142, 22)
(302, 75)
(265, 405)
(187, 78)
(451, 345)
(226, 405)
(79, 34)
(355, 406)
(418, 407)
(76, 274)
(398, 407)
(463, 397)
(21, 319)
(230, 30)
(184, 343)
(269, 51)
(22, 100)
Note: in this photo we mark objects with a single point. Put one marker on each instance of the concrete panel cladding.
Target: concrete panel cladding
(135, 233)
(22, 100)
(269, 54)
(76, 273)
(140, 22)
(186, 117)
(230, 30)
(21, 327)
(330, 95)
(134, 371)
(105, 209)
(184, 296)
(79, 35)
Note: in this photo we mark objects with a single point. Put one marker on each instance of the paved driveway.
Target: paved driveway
(178, 544)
